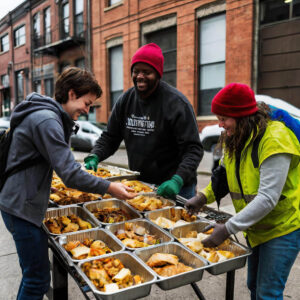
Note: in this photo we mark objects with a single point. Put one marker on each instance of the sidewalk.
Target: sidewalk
(212, 287)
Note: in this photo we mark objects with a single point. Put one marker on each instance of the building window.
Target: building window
(47, 25)
(37, 86)
(5, 95)
(19, 36)
(167, 41)
(212, 47)
(112, 2)
(116, 73)
(79, 17)
(278, 10)
(65, 29)
(4, 43)
(48, 87)
(80, 63)
(20, 86)
(36, 30)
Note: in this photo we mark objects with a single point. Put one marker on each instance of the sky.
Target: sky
(8, 5)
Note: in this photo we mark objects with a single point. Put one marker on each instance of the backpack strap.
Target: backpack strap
(25, 165)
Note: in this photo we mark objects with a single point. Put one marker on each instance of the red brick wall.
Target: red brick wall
(124, 21)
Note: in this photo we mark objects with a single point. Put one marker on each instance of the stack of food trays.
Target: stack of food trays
(135, 256)
(240, 252)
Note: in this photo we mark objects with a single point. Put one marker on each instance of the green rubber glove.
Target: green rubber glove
(91, 162)
(171, 187)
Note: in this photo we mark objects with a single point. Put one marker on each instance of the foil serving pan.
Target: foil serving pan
(166, 202)
(67, 211)
(116, 203)
(105, 236)
(119, 173)
(151, 228)
(136, 267)
(166, 213)
(55, 204)
(240, 251)
(185, 256)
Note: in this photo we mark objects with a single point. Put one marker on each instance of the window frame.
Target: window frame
(47, 29)
(2, 50)
(201, 105)
(17, 39)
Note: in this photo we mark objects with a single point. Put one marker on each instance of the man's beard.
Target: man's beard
(151, 85)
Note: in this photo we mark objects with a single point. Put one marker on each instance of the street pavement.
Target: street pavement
(212, 287)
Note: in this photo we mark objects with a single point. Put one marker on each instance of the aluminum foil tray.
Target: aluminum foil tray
(105, 236)
(137, 268)
(119, 173)
(54, 204)
(241, 252)
(165, 212)
(166, 202)
(67, 211)
(89, 207)
(185, 256)
(151, 228)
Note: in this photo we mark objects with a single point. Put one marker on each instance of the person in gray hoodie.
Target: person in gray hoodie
(45, 129)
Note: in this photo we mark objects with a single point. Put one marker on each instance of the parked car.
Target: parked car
(4, 123)
(86, 136)
(211, 133)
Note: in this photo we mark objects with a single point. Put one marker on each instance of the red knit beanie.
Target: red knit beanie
(150, 54)
(234, 100)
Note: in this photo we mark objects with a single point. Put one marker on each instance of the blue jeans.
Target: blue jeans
(188, 192)
(32, 248)
(269, 266)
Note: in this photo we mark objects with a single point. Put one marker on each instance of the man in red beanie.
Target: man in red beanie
(158, 126)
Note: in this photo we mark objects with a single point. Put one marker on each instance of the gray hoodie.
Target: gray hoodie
(45, 131)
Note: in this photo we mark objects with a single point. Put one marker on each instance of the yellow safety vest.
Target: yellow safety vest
(285, 217)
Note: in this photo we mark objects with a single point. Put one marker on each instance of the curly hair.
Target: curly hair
(80, 81)
(255, 123)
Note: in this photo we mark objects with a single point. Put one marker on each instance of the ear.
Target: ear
(71, 94)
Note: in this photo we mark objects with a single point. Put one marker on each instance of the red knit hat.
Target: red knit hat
(234, 100)
(150, 54)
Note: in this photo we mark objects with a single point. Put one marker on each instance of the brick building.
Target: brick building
(38, 40)
(206, 45)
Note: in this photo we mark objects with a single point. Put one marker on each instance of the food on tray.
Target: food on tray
(65, 224)
(142, 203)
(104, 172)
(87, 248)
(193, 240)
(109, 274)
(138, 187)
(135, 236)
(175, 220)
(64, 196)
(111, 215)
(165, 264)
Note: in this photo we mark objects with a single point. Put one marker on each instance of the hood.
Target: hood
(35, 102)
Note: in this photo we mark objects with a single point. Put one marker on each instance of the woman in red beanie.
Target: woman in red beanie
(159, 128)
(261, 163)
